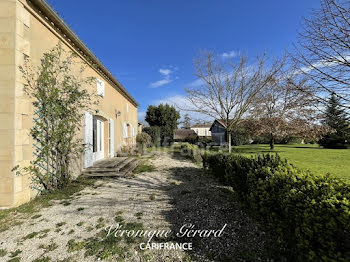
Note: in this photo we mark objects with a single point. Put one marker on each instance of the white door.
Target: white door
(111, 137)
(88, 140)
(98, 139)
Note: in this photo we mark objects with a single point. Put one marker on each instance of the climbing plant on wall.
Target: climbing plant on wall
(60, 94)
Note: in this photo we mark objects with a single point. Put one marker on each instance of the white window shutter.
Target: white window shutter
(88, 139)
(111, 142)
(100, 88)
(125, 130)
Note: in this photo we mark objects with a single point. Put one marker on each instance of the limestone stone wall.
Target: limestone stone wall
(24, 32)
(7, 99)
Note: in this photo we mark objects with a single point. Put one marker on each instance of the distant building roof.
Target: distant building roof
(220, 121)
(183, 133)
(201, 126)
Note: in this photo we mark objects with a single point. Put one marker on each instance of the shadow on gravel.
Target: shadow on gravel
(199, 200)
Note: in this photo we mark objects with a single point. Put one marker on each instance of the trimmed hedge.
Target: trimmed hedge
(191, 151)
(310, 214)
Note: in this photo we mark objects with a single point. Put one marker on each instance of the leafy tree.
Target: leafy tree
(338, 120)
(59, 100)
(164, 116)
(186, 122)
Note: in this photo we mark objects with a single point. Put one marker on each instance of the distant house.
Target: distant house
(218, 132)
(181, 135)
(202, 130)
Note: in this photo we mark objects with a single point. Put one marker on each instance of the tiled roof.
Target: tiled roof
(183, 133)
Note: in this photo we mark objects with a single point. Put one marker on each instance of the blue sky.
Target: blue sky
(149, 45)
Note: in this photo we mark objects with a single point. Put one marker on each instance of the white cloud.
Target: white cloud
(196, 83)
(166, 73)
(182, 104)
(229, 54)
(338, 60)
(160, 83)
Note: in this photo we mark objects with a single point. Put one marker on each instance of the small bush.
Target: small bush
(127, 150)
(309, 214)
(192, 139)
(154, 132)
(191, 151)
(335, 141)
(203, 142)
(143, 140)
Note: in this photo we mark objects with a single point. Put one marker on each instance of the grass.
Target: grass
(105, 246)
(3, 252)
(31, 235)
(152, 197)
(15, 259)
(42, 259)
(144, 167)
(49, 247)
(60, 224)
(312, 157)
(15, 253)
(14, 216)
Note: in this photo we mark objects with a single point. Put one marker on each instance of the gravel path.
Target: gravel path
(177, 193)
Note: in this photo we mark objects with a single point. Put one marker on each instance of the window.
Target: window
(100, 88)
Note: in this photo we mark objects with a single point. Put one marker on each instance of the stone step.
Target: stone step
(109, 162)
(112, 167)
(130, 167)
(125, 163)
(109, 167)
(110, 174)
(100, 170)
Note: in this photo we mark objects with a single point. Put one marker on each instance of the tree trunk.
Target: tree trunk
(229, 142)
(272, 142)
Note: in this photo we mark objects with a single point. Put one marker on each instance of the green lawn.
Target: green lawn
(312, 157)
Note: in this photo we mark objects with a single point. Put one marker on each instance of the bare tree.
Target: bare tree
(281, 110)
(323, 51)
(229, 88)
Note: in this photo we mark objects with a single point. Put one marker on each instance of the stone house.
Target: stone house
(28, 29)
(202, 130)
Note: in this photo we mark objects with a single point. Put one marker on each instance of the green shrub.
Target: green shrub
(192, 139)
(143, 140)
(191, 151)
(309, 214)
(335, 141)
(203, 142)
(154, 132)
